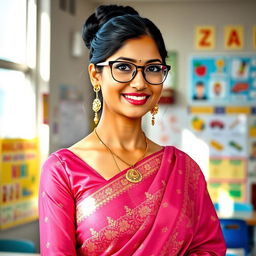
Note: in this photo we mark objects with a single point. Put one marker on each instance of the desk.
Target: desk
(249, 217)
(18, 254)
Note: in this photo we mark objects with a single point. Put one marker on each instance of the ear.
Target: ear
(94, 75)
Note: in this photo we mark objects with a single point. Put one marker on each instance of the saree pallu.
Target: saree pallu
(168, 213)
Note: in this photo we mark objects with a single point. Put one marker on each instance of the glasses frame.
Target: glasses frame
(111, 62)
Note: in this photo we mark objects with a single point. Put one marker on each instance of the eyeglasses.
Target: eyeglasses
(124, 72)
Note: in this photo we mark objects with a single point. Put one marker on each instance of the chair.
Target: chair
(236, 234)
(17, 245)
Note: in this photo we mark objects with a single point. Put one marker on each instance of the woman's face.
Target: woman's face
(135, 98)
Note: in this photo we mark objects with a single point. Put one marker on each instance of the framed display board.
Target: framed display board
(19, 178)
(222, 79)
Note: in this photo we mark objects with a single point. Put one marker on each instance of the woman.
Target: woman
(115, 192)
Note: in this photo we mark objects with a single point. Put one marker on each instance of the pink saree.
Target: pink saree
(168, 213)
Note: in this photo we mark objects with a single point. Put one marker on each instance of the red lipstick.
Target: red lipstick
(136, 98)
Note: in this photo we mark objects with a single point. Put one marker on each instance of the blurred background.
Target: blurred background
(207, 109)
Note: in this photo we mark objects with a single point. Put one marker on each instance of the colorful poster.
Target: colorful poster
(234, 190)
(228, 169)
(225, 132)
(19, 175)
(223, 79)
(226, 135)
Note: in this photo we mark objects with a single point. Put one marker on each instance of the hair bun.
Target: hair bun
(102, 14)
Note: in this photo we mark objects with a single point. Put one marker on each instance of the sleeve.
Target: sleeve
(56, 210)
(208, 238)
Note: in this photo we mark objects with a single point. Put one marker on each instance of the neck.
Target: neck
(122, 133)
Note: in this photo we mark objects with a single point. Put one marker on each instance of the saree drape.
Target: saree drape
(168, 213)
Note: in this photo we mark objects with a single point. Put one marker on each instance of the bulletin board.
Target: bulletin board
(226, 134)
(226, 131)
(223, 79)
(19, 178)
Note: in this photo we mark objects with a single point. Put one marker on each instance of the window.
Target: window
(17, 64)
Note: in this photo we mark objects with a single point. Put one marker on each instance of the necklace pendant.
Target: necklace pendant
(133, 175)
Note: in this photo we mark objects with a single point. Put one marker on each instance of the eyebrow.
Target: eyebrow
(134, 60)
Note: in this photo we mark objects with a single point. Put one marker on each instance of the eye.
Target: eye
(123, 66)
(154, 68)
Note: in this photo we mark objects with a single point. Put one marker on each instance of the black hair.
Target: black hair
(199, 83)
(106, 30)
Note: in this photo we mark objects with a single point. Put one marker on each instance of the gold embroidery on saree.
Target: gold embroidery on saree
(191, 178)
(134, 219)
(115, 188)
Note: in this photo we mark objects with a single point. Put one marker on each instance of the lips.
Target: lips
(136, 98)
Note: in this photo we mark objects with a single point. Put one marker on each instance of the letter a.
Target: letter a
(234, 37)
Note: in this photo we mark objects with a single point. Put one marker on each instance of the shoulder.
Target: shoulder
(183, 160)
(54, 172)
(54, 165)
(56, 159)
(179, 154)
(176, 153)
(61, 164)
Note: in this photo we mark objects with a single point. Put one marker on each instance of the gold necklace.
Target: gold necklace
(133, 175)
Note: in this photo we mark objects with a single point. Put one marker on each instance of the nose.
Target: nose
(138, 81)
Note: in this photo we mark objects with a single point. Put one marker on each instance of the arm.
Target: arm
(56, 211)
(208, 238)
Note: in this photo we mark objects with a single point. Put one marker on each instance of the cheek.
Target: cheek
(110, 92)
(105, 76)
(158, 90)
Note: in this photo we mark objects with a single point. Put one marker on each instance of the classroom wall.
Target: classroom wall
(65, 68)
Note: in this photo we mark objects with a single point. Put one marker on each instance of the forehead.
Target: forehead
(142, 48)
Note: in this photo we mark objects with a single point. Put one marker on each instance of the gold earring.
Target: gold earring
(96, 105)
(153, 112)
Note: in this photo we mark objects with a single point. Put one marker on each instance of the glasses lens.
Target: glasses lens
(123, 71)
(155, 73)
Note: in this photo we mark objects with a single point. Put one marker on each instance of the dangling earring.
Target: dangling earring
(153, 112)
(96, 105)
